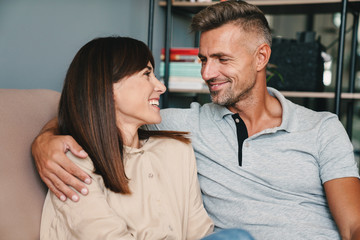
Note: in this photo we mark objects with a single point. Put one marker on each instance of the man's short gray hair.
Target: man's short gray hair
(249, 17)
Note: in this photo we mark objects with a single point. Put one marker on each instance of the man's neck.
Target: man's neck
(259, 111)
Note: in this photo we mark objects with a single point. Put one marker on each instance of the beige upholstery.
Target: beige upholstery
(22, 115)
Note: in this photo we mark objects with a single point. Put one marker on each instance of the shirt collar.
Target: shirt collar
(144, 146)
(219, 112)
(288, 122)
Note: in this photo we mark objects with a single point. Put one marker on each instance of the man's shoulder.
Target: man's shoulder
(194, 109)
(298, 111)
(305, 118)
(184, 119)
(310, 114)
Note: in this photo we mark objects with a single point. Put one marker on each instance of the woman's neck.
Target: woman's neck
(130, 138)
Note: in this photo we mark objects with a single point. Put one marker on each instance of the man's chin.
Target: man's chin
(220, 99)
(217, 100)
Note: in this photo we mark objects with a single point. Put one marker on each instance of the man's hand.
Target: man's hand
(55, 169)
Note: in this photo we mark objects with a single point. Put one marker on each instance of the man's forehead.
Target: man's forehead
(225, 43)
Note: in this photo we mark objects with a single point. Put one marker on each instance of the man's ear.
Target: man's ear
(262, 56)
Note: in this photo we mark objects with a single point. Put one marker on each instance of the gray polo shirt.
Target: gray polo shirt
(277, 193)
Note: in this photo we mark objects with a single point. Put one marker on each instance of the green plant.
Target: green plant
(271, 71)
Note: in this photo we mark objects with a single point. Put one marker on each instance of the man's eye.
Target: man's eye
(223, 59)
(147, 73)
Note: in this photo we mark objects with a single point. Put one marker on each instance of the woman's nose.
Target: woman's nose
(159, 87)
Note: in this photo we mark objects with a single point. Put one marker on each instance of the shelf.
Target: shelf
(320, 95)
(355, 96)
(179, 90)
(276, 6)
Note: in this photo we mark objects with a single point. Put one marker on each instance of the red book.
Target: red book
(182, 51)
(181, 54)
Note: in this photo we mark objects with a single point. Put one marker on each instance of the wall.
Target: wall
(39, 38)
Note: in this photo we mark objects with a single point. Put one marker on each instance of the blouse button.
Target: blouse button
(237, 120)
(151, 175)
(170, 228)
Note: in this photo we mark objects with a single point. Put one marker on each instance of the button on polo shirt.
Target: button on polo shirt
(241, 133)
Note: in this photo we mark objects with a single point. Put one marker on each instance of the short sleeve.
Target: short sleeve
(336, 155)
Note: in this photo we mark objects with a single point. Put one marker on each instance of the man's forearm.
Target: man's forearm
(51, 127)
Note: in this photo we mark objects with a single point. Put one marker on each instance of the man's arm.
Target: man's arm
(55, 169)
(343, 195)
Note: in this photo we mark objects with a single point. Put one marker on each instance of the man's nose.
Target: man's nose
(209, 70)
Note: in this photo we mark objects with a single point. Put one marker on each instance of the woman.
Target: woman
(144, 183)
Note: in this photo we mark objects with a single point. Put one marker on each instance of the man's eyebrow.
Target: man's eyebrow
(214, 55)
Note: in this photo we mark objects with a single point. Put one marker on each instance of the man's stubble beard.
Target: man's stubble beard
(228, 97)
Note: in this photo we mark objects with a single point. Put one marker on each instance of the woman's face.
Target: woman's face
(137, 99)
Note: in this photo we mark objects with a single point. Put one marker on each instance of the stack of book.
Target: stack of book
(184, 71)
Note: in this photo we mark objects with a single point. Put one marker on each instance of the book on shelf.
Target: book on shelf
(181, 55)
(184, 69)
(186, 83)
(181, 69)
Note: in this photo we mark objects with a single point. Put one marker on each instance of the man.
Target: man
(266, 165)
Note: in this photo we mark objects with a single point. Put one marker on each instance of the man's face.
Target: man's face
(228, 61)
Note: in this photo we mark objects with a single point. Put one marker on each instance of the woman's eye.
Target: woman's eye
(147, 73)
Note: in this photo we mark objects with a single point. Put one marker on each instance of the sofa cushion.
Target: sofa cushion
(22, 115)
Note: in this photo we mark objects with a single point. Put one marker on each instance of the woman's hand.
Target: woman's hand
(55, 169)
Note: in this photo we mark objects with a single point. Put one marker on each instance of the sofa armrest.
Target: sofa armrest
(22, 115)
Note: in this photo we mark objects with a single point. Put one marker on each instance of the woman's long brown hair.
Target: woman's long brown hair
(86, 108)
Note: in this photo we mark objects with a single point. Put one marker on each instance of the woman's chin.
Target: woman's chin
(154, 121)
(157, 121)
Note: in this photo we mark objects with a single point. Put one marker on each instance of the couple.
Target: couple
(265, 165)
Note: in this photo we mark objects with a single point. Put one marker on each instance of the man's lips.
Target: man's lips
(215, 86)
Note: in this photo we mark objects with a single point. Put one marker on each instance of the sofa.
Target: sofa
(22, 115)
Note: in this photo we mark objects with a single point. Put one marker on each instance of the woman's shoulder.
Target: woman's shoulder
(165, 142)
(169, 148)
(85, 164)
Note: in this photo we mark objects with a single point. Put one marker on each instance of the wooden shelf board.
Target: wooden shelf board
(179, 90)
(320, 95)
(258, 2)
(285, 93)
(277, 6)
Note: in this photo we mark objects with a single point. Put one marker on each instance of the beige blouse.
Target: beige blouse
(165, 202)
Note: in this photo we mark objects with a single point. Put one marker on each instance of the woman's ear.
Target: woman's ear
(262, 56)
